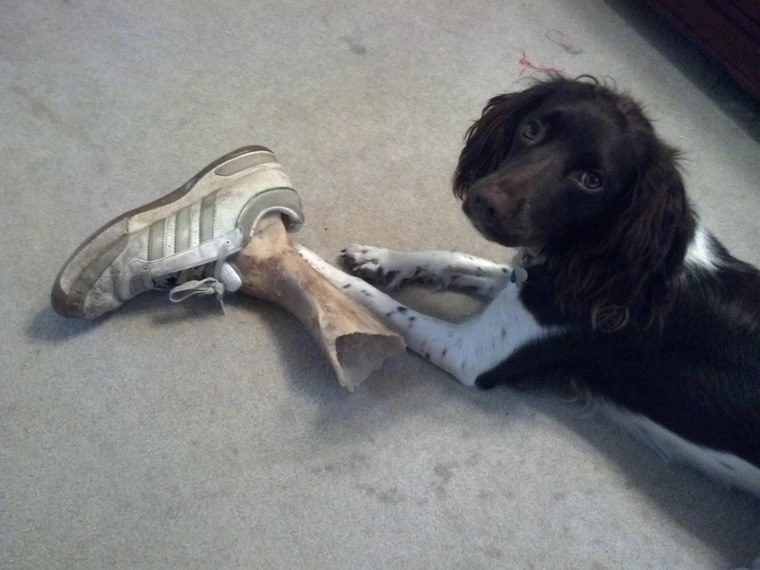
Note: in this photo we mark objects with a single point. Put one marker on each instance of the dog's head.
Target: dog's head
(574, 168)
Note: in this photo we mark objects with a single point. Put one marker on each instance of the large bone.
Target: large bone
(354, 342)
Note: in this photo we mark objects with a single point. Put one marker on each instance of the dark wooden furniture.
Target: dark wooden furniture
(728, 31)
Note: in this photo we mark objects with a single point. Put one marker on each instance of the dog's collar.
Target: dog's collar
(524, 258)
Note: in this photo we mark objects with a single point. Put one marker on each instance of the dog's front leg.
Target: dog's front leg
(465, 350)
(444, 269)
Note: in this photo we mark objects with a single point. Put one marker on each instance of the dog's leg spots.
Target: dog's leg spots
(372, 264)
(452, 347)
(447, 270)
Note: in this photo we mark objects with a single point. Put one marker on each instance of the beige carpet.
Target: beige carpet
(171, 436)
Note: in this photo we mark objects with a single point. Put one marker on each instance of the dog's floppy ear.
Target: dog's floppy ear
(625, 274)
(487, 141)
(656, 231)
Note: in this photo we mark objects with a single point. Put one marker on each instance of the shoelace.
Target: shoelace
(190, 282)
(207, 286)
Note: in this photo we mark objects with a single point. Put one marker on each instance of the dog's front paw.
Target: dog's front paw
(372, 264)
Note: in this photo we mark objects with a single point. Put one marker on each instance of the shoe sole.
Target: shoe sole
(99, 250)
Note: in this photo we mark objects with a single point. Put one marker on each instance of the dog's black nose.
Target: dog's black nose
(479, 206)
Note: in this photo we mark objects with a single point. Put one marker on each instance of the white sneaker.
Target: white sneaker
(181, 241)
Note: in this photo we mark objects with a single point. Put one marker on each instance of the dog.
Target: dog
(617, 290)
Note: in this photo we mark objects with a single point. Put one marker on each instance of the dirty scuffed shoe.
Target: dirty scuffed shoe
(181, 241)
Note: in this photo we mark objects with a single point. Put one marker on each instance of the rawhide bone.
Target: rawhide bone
(353, 340)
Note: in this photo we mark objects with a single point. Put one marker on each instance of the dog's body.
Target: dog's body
(619, 291)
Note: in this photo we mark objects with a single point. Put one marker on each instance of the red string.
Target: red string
(528, 65)
(557, 37)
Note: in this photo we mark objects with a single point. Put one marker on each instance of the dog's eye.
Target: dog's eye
(531, 130)
(592, 179)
